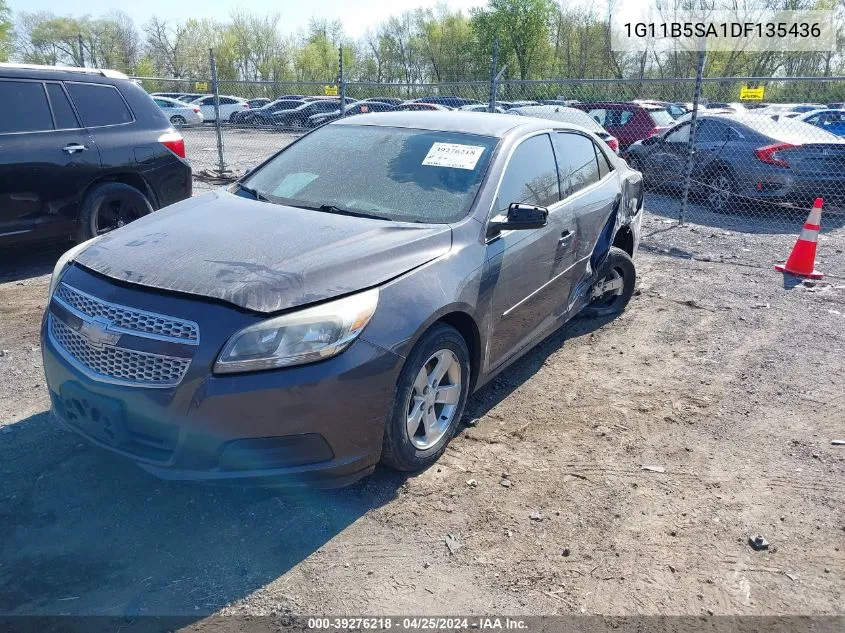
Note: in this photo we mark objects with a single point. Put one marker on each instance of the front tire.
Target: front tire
(618, 265)
(431, 394)
(109, 206)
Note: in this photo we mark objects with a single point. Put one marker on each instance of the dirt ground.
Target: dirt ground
(722, 375)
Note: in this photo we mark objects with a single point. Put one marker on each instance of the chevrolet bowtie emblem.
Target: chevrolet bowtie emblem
(97, 333)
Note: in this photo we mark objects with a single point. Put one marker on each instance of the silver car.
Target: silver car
(179, 113)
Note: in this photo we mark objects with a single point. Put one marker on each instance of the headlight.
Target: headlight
(64, 261)
(299, 337)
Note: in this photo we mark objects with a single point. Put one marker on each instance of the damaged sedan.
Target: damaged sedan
(335, 308)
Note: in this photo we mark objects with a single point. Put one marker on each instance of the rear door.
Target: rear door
(47, 160)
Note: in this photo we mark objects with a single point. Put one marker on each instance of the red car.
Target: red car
(628, 122)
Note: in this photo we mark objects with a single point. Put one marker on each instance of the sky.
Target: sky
(356, 16)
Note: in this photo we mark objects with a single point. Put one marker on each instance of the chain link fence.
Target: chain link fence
(719, 161)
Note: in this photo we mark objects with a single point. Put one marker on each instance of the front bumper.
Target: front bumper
(316, 425)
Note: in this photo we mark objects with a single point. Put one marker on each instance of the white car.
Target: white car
(480, 107)
(228, 106)
(179, 113)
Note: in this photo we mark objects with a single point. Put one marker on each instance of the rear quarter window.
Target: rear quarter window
(99, 105)
(661, 118)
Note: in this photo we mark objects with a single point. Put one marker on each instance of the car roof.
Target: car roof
(480, 123)
(59, 73)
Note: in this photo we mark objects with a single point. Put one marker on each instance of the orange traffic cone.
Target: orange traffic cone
(802, 259)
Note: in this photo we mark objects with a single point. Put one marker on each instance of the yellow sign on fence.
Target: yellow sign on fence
(330, 91)
(201, 85)
(751, 94)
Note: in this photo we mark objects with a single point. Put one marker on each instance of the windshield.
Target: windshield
(405, 175)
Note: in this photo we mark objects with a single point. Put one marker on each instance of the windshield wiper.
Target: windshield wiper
(253, 192)
(330, 208)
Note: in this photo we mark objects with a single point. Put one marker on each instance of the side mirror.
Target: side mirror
(520, 217)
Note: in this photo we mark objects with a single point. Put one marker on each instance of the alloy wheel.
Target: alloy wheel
(114, 214)
(434, 399)
(720, 191)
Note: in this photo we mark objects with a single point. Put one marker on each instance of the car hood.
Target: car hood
(260, 256)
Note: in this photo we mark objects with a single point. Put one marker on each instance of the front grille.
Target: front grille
(115, 363)
(129, 319)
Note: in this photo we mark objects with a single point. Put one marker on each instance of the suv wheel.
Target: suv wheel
(430, 396)
(109, 206)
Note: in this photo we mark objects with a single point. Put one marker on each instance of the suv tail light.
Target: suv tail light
(613, 143)
(770, 154)
(174, 142)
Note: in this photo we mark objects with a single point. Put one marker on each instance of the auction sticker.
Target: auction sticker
(453, 155)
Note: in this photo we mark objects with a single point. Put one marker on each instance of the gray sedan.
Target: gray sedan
(321, 316)
(742, 159)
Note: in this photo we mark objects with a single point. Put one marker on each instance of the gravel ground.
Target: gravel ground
(721, 375)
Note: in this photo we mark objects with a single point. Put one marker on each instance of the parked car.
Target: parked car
(179, 113)
(264, 115)
(228, 107)
(191, 96)
(572, 116)
(628, 122)
(83, 152)
(481, 107)
(449, 102)
(413, 106)
(828, 119)
(350, 318)
(508, 105)
(299, 117)
(675, 110)
(258, 103)
(168, 95)
(391, 100)
(323, 98)
(741, 156)
(361, 107)
(558, 102)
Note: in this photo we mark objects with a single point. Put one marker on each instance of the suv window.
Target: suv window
(625, 116)
(577, 164)
(661, 118)
(530, 176)
(99, 105)
(25, 107)
(63, 113)
(599, 114)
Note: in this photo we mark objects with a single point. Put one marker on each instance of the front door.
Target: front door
(520, 263)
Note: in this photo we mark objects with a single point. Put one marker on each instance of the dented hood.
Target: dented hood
(261, 256)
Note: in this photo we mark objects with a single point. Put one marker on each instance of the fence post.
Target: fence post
(341, 81)
(693, 132)
(494, 77)
(215, 89)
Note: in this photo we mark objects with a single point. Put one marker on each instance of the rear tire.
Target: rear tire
(617, 265)
(109, 206)
(419, 427)
(719, 190)
(177, 120)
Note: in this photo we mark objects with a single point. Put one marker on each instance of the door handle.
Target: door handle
(565, 237)
(72, 148)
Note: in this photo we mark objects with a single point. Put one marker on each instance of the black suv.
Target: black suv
(82, 151)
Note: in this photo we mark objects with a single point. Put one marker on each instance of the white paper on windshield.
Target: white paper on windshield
(453, 155)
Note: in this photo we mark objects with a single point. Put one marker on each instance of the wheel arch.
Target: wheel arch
(135, 180)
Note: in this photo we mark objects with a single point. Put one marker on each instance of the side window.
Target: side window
(163, 104)
(577, 162)
(711, 132)
(530, 175)
(679, 135)
(625, 116)
(600, 115)
(225, 101)
(25, 107)
(604, 165)
(62, 110)
(99, 105)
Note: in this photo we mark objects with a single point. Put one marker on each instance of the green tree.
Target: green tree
(5, 31)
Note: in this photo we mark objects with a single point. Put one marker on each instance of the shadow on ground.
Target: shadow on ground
(83, 532)
(19, 262)
(756, 219)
